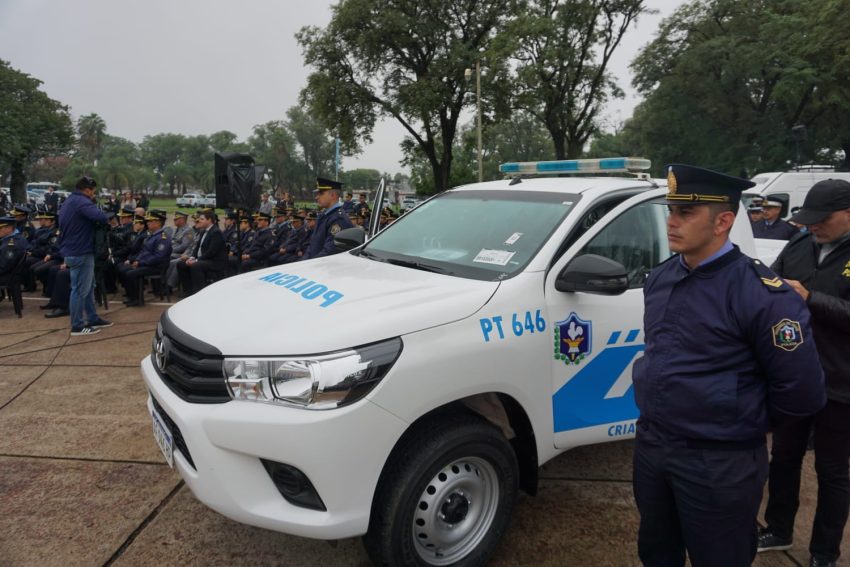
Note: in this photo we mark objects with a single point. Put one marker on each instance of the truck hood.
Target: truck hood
(324, 305)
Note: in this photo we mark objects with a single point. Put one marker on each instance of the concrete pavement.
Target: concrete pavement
(83, 483)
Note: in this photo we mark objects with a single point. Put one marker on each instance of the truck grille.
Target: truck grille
(189, 367)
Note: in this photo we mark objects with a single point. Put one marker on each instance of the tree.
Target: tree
(32, 126)
(563, 48)
(402, 59)
(723, 91)
(91, 131)
(159, 152)
(273, 145)
(317, 145)
(360, 179)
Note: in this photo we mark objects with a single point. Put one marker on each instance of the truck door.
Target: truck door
(596, 338)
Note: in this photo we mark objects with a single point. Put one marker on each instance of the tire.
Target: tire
(445, 497)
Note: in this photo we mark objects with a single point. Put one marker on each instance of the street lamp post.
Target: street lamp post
(467, 74)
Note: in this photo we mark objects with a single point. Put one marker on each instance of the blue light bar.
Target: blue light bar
(603, 165)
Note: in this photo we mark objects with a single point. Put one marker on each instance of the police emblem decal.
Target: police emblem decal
(787, 335)
(572, 339)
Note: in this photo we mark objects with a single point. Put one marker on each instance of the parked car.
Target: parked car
(190, 200)
(790, 187)
(208, 200)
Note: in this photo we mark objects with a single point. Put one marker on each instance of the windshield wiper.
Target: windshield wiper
(418, 266)
(371, 255)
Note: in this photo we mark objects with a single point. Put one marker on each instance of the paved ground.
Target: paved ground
(82, 482)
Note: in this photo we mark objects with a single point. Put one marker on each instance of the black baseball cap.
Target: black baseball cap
(824, 198)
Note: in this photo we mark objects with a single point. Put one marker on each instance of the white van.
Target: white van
(405, 390)
(790, 187)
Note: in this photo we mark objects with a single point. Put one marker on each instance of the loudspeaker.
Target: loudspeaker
(237, 181)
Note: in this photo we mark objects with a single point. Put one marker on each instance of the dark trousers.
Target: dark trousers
(132, 279)
(703, 501)
(831, 428)
(193, 277)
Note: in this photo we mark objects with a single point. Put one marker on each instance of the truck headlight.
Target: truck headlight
(313, 382)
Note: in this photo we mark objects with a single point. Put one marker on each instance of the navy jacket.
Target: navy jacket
(156, 250)
(76, 221)
(729, 348)
(328, 224)
(779, 230)
(12, 249)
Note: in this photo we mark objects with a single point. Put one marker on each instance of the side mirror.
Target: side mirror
(349, 238)
(593, 274)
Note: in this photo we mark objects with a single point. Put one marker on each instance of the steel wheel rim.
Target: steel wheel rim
(455, 511)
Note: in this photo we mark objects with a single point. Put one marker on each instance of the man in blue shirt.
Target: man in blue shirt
(331, 220)
(77, 220)
(729, 354)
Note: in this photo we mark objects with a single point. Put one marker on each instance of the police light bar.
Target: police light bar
(603, 165)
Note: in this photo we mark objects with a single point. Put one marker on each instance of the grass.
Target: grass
(170, 205)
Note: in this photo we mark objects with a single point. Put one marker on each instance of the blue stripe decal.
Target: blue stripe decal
(615, 336)
(630, 338)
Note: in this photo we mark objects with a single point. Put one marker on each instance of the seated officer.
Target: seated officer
(729, 353)
(44, 240)
(261, 247)
(153, 258)
(331, 220)
(13, 248)
(297, 241)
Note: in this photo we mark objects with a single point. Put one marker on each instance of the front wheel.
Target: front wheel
(446, 497)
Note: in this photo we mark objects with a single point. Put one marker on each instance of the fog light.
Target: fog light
(294, 485)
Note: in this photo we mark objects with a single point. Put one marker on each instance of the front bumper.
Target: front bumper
(341, 451)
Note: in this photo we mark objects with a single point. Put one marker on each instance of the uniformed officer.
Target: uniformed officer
(23, 225)
(153, 258)
(295, 242)
(181, 245)
(817, 265)
(729, 351)
(770, 225)
(13, 248)
(330, 221)
(44, 238)
(261, 247)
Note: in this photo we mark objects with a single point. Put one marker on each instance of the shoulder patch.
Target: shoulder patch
(768, 277)
(787, 335)
(164, 236)
(335, 228)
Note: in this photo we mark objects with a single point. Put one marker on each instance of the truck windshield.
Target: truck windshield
(484, 235)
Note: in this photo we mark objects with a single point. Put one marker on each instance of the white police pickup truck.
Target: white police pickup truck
(407, 389)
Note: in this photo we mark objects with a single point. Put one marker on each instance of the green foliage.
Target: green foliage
(725, 82)
(361, 180)
(91, 131)
(401, 59)
(32, 126)
(563, 50)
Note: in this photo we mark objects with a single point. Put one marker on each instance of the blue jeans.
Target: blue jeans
(82, 289)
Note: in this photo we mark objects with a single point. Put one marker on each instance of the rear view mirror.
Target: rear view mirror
(592, 273)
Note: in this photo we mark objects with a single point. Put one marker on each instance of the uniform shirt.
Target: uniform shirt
(330, 222)
(44, 239)
(828, 282)
(777, 230)
(728, 348)
(262, 246)
(12, 248)
(156, 250)
(181, 241)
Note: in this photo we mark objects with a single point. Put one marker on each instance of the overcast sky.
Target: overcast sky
(200, 66)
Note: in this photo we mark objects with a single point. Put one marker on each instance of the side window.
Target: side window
(637, 239)
(783, 198)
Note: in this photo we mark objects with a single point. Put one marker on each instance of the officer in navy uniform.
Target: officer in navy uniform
(331, 220)
(13, 248)
(729, 353)
(24, 227)
(44, 238)
(153, 258)
(770, 225)
(261, 247)
(296, 241)
(817, 265)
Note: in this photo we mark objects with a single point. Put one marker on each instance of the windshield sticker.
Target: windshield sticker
(497, 257)
(308, 289)
(514, 237)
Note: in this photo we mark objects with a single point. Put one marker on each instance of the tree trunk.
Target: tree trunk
(560, 143)
(18, 182)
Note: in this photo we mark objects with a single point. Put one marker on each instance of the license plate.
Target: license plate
(163, 437)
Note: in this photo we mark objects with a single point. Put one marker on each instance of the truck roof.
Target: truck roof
(572, 184)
